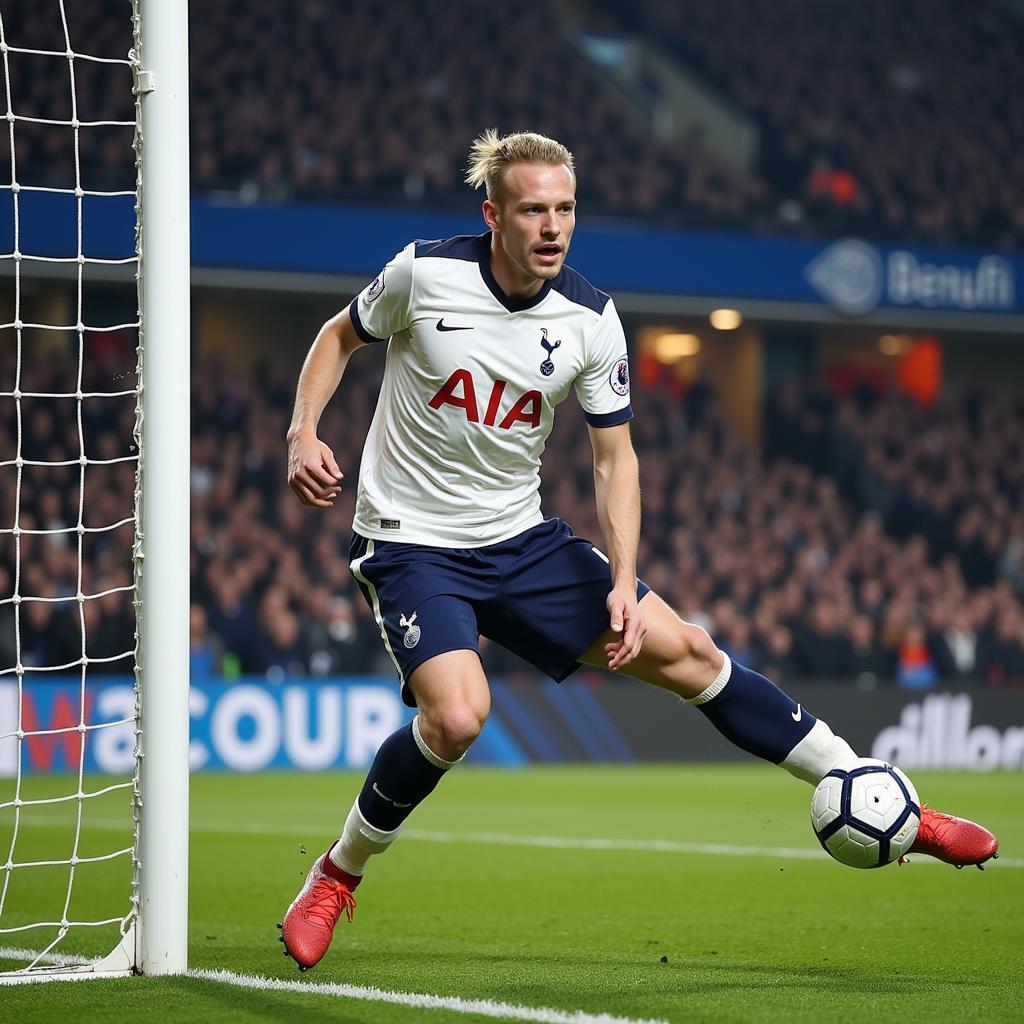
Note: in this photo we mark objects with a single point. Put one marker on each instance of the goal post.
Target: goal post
(163, 569)
(151, 724)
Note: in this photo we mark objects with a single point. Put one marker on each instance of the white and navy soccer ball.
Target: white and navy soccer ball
(866, 816)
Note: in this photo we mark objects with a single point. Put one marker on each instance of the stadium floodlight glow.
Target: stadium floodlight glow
(725, 319)
(670, 348)
(153, 918)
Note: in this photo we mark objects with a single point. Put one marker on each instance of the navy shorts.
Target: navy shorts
(541, 594)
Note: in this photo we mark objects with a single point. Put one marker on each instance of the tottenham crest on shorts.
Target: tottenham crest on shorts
(412, 631)
(375, 288)
(619, 377)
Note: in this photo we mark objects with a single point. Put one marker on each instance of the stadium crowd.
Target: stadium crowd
(873, 118)
(322, 100)
(872, 542)
(877, 116)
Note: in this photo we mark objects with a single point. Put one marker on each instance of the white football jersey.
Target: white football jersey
(471, 381)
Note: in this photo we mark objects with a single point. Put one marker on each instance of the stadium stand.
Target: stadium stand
(859, 117)
(859, 128)
(389, 97)
(40, 86)
(826, 557)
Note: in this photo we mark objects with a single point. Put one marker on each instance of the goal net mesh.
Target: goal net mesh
(70, 458)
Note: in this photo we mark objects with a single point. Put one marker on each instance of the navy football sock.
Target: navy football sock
(750, 711)
(404, 772)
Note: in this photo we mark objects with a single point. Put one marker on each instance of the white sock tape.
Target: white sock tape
(717, 686)
(437, 762)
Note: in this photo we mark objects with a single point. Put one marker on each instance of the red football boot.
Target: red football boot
(956, 841)
(309, 924)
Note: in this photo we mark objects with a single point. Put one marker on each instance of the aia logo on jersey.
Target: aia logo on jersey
(547, 367)
(459, 390)
(619, 377)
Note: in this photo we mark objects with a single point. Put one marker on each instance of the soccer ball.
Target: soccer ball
(867, 815)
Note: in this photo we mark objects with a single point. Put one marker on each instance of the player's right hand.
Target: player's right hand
(313, 473)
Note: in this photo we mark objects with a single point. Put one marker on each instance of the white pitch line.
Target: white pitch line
(56, 959)
(648, 846)
(415, 1000)
(423, 1001)
(639, 845)
(505, 839)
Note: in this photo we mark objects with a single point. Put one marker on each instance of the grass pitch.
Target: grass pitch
(681, 933)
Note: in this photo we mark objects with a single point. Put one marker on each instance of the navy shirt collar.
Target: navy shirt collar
(511, 303)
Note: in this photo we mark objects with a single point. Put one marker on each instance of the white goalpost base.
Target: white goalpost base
(120, 962)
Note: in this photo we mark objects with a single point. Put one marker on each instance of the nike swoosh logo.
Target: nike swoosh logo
(442, 327)
(389, 800)
(797, 715)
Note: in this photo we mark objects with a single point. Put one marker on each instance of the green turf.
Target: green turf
(676, 936)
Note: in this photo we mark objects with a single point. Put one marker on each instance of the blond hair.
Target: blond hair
(490, 156)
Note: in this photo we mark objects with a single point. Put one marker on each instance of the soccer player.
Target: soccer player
(487, 335)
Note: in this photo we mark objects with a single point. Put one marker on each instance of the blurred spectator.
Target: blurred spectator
(48, 635)
(8, 632)
(823, 649)
(231, 618)
(338, 642)
(204, 649)
(915, 669)
(738, 643)
(110, 625)
(778, 662)
(957, 649)
(1004, 662)
(281, 648)
(865, 662)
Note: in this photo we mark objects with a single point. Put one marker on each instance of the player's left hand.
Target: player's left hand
(625, 618)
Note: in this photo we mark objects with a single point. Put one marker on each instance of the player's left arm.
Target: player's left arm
(617, 489)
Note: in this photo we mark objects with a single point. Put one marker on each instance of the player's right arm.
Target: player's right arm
(313, 472)
(381, 309)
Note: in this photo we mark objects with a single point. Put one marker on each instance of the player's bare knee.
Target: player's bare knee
(450, 731)
(699, 651)
(461, 725)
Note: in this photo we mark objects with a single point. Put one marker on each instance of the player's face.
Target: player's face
(533, 222)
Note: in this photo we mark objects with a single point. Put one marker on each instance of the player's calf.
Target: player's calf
(754, 714)
(405, 771)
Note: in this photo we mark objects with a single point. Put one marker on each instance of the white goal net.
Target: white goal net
(73, 489)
